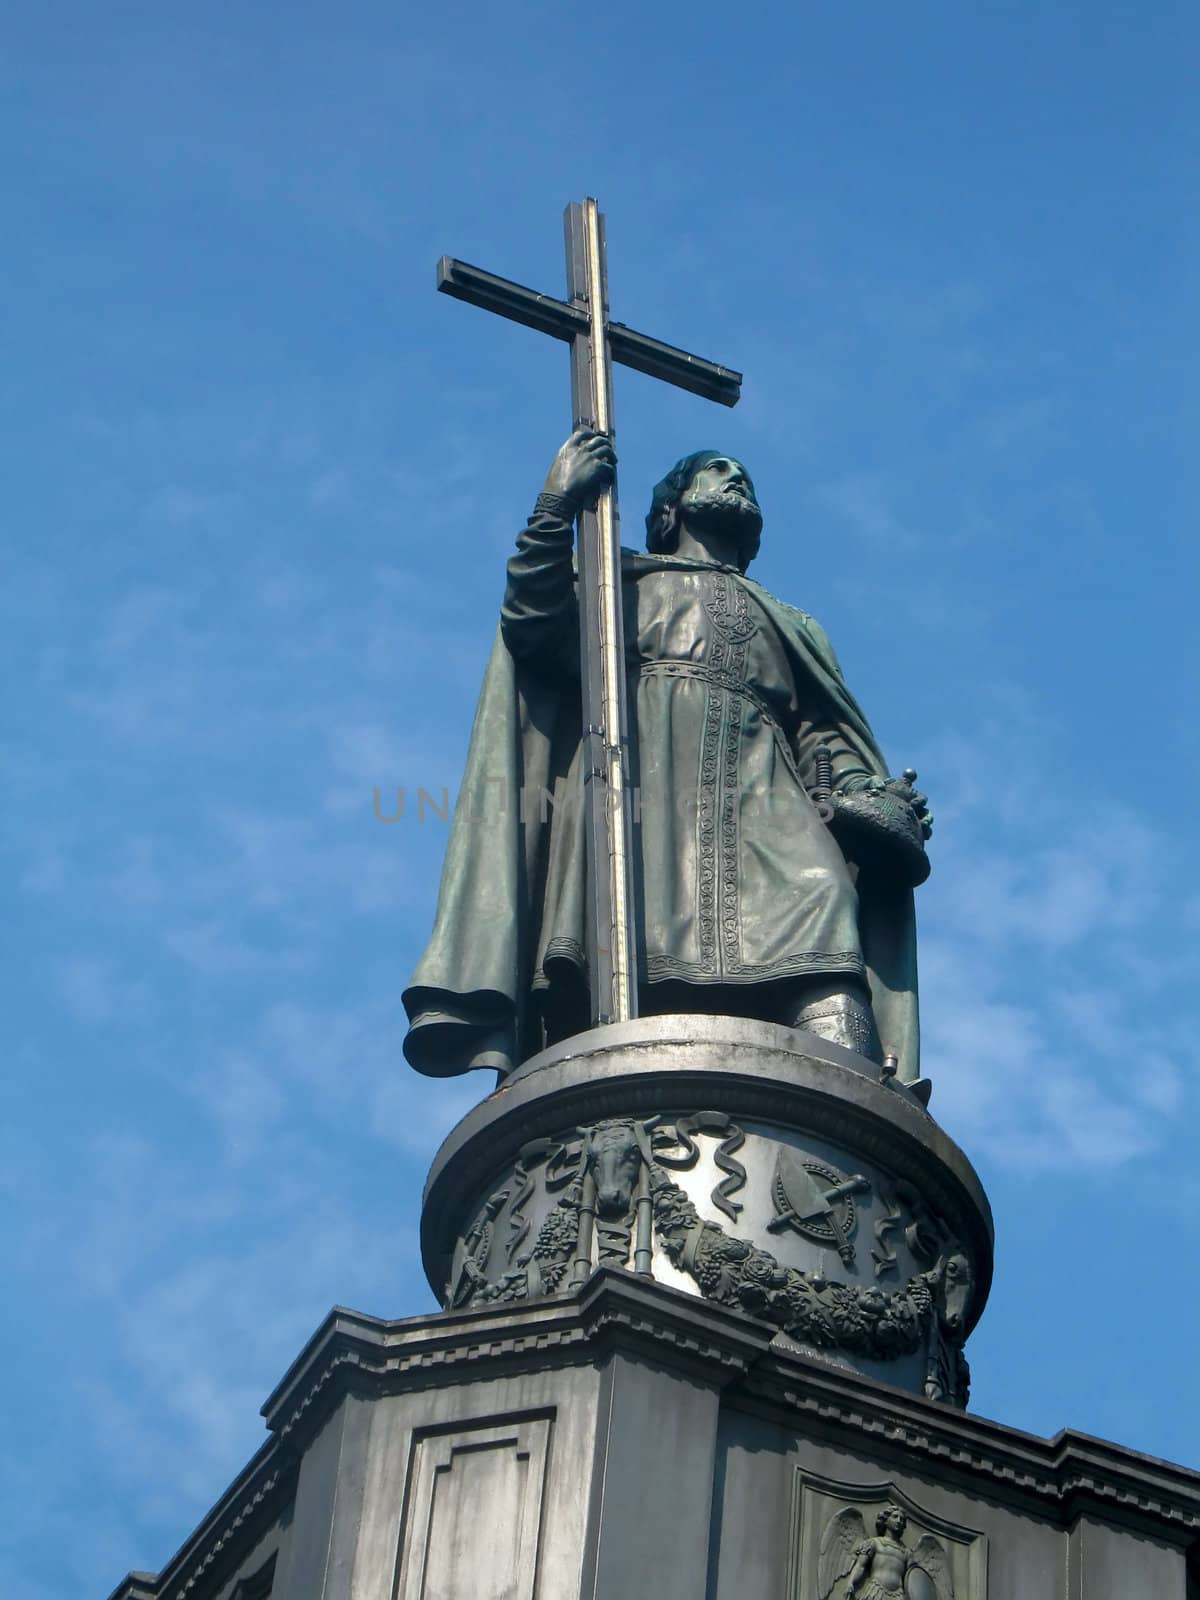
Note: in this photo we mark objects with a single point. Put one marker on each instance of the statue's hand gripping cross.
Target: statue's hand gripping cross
(582, 321)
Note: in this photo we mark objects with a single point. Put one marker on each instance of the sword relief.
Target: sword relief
(817, 1202)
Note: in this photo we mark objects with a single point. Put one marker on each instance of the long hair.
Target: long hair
(662, 520)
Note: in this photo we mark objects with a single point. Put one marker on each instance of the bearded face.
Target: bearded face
(726, 511)
(720, 500)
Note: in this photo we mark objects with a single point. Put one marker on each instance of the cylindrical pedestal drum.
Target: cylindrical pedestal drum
(752, 1165)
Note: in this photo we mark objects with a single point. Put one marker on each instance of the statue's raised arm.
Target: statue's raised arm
(539, 619)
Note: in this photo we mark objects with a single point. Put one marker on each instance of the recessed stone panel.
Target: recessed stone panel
(474, 1512)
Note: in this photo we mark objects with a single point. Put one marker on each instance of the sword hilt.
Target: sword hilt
(854, 1185)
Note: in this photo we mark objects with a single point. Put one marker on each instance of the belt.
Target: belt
(720, 678)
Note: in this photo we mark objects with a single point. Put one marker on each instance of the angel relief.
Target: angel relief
(854, 1566)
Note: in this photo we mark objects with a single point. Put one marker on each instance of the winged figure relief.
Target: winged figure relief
(855, 1566)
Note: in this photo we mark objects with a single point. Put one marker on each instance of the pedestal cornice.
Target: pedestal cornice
(1056, 1479)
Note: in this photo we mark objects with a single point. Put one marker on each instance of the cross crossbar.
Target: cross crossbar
(567, 322)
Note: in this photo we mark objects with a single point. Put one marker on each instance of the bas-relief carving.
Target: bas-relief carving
(603, 1213)
(880, 1568)
(873, 1542)
(473, 1512)
(817, 1201)
(928, 1313)
(605, 1197)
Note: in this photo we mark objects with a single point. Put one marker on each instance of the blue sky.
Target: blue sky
(260, 486)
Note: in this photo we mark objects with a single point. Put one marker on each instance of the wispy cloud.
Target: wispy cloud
(204, 1311)
(1036, 1061)
(96, 993)
(863, 504)
(182, 508)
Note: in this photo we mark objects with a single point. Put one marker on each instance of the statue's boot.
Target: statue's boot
(840, 1012)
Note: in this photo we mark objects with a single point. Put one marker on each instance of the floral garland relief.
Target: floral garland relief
(616, 1190)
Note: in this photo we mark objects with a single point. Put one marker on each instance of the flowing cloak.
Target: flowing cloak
(511, 916)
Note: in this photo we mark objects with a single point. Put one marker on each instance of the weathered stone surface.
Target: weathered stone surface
(631, 1440)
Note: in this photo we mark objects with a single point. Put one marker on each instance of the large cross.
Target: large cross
(582, 321)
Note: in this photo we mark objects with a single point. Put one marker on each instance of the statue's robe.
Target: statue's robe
(740, 882)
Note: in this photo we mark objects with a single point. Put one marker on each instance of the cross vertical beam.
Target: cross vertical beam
(612, 952)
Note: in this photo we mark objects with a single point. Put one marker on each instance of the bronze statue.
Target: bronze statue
(757, 776)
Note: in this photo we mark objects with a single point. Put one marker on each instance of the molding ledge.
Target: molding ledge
(247, 1509)
(1058, 1479)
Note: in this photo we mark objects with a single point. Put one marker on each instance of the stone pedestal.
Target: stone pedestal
(634, 1442)
(707, 1284)
(753, 1165)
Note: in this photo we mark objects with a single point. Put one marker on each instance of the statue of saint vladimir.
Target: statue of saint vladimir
(747, 904)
